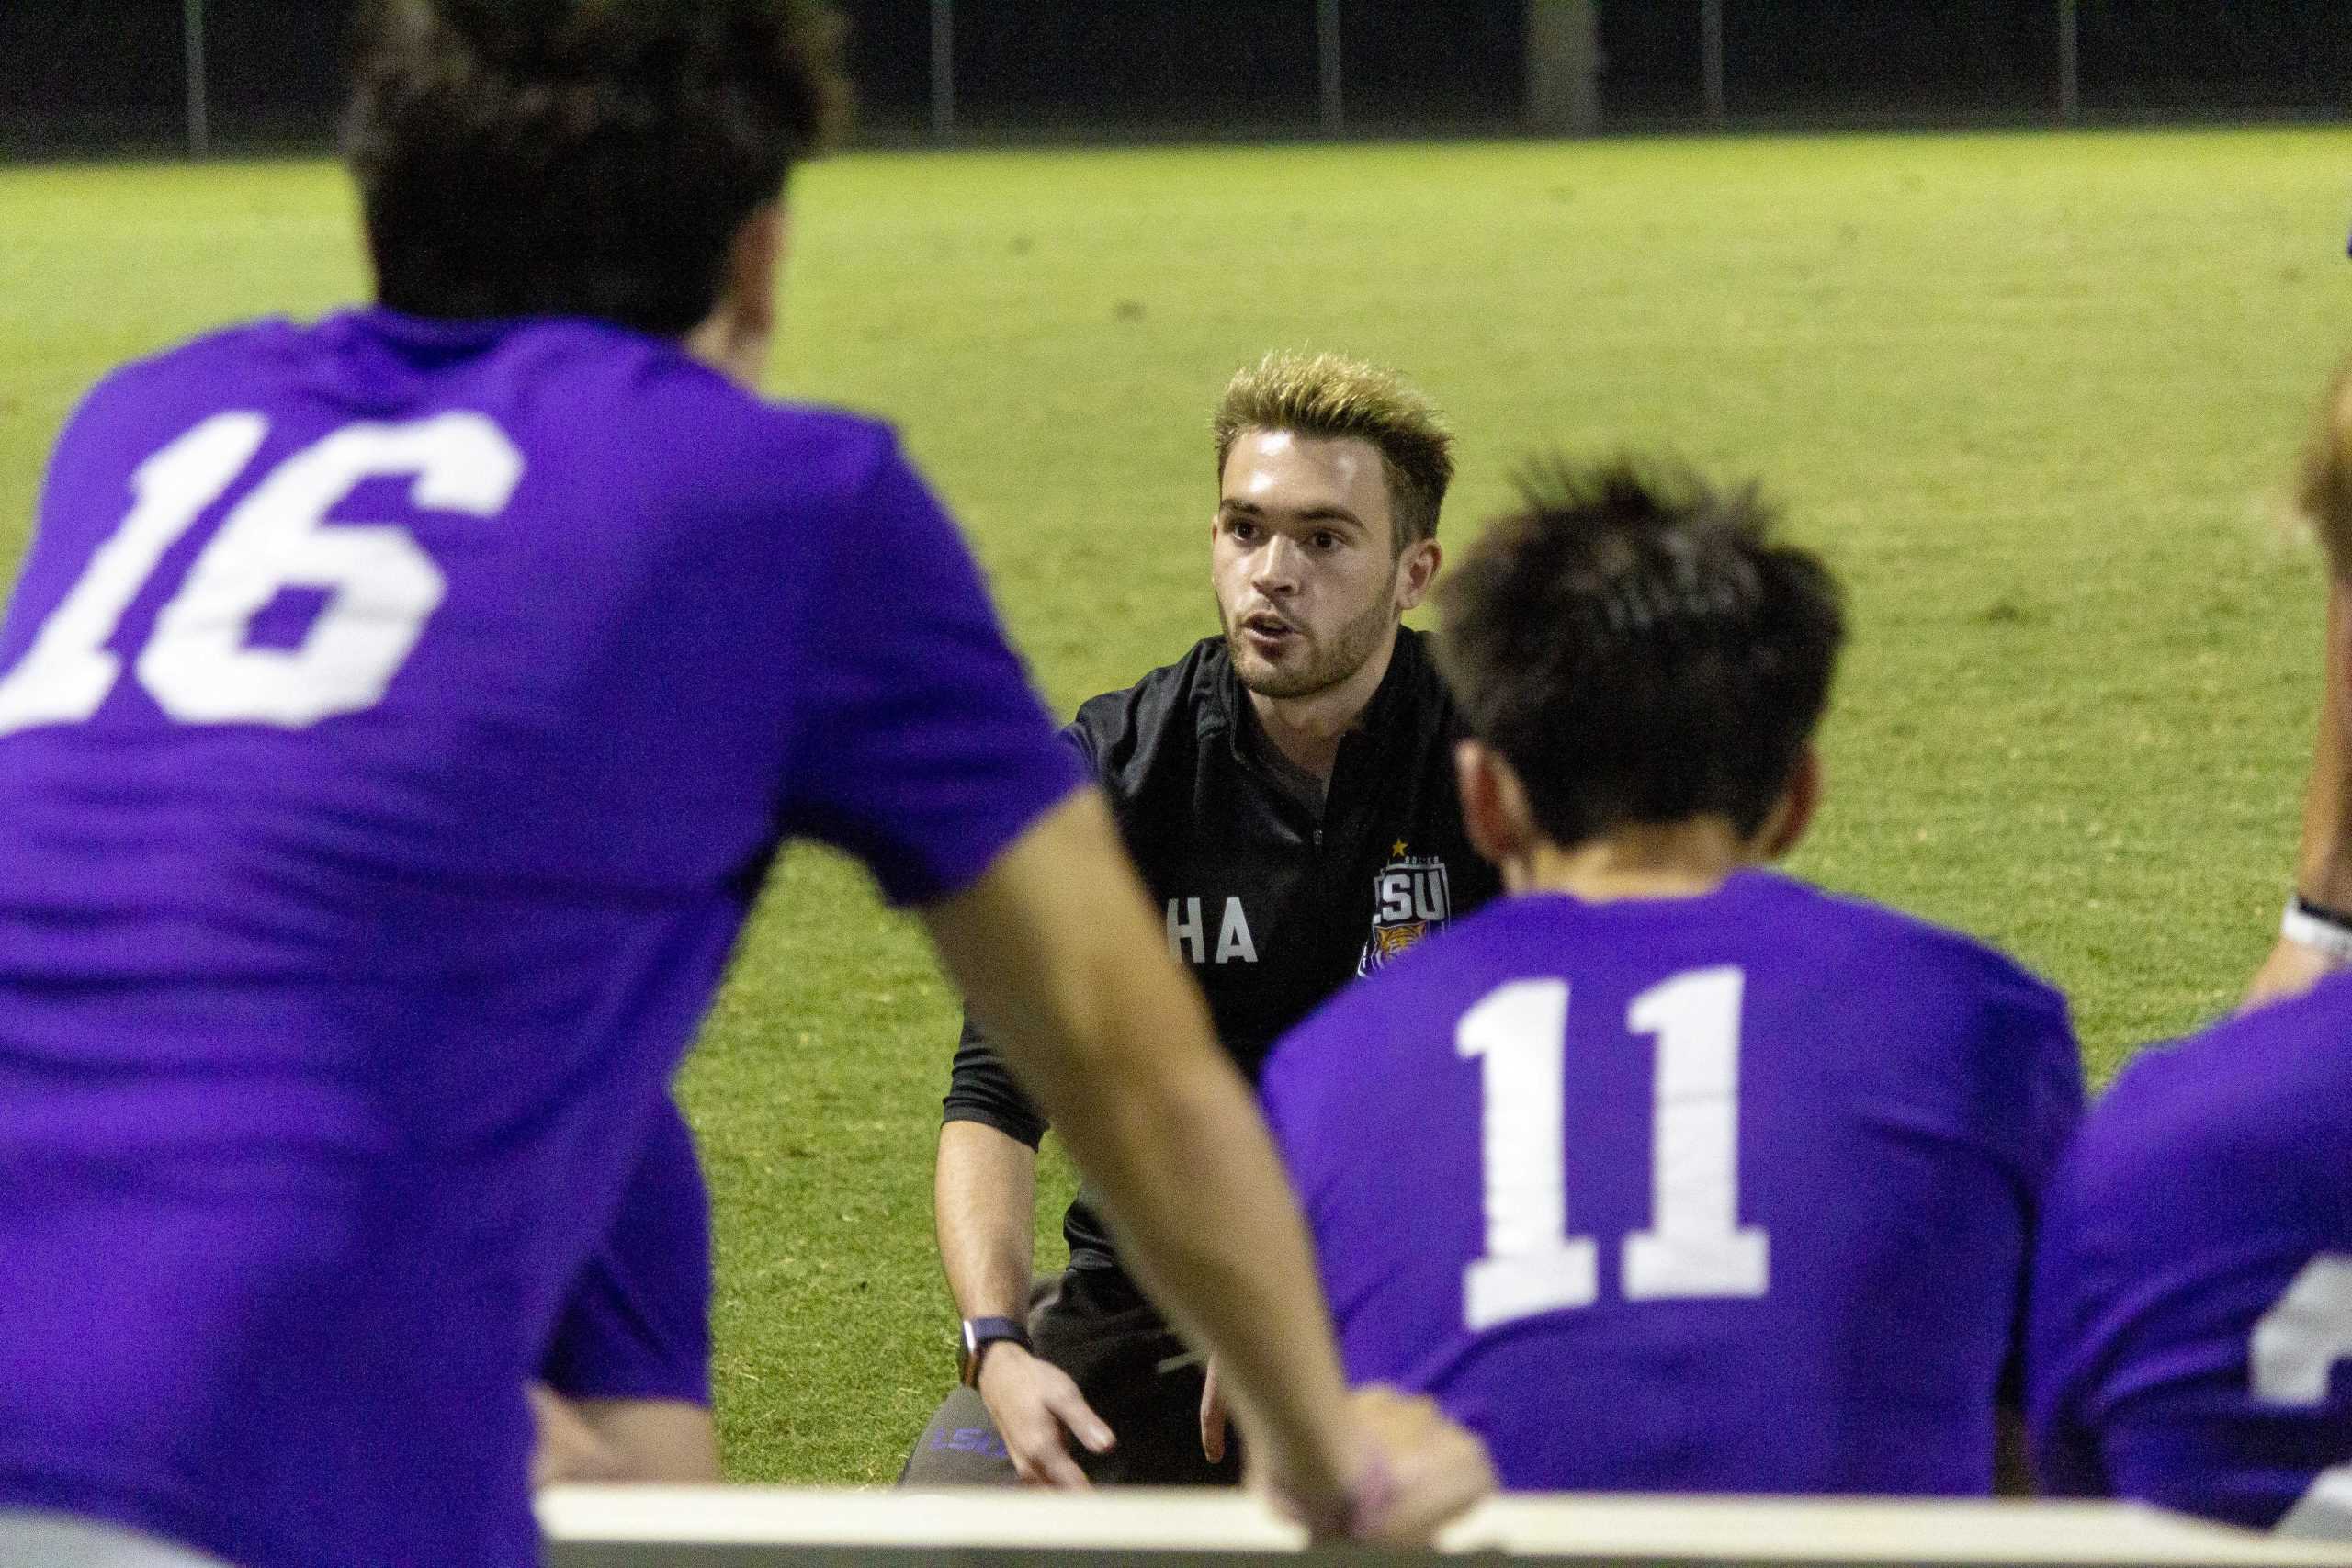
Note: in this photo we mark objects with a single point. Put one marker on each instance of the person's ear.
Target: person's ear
(1495, 814)
(1416, 569)
(1794, 813)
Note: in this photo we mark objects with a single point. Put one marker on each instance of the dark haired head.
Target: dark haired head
(1638, 650)
(579, 157)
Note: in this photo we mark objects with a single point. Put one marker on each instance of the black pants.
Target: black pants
(1095, 1325)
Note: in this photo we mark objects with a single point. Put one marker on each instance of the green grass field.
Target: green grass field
(2034, 395)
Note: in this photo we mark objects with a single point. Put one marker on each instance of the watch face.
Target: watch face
(980, 1333)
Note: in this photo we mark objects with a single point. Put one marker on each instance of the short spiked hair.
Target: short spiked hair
(1638, 650)
(1334, 397)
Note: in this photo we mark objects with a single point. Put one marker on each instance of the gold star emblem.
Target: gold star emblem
(1397, 850)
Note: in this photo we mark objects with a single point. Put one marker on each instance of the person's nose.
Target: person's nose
(1276, 571)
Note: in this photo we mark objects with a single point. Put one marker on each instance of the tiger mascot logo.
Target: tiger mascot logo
(1409, 899)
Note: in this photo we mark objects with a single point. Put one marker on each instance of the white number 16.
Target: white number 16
(198, 663)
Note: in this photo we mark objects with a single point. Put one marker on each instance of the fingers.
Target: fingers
(1212, 1419)
(1039, 1457)
(1071, 1408)
(1033, 1403)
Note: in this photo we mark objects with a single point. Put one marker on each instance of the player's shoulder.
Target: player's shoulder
(1918, 953)
(138, 407)
(2261, 1085)
(224, 359)
(663, 396)
(1353, 1049)
(1505, 939)
(1132, 732)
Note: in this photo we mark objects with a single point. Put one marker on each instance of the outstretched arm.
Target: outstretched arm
(1061, 961)
(2324, 864)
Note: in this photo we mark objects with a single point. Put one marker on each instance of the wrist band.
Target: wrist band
(2324, 930)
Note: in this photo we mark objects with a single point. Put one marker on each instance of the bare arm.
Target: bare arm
(1059, 955)
(2324, 864)
(984, 1198)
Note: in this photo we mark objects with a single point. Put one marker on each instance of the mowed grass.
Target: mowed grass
(2035, 396)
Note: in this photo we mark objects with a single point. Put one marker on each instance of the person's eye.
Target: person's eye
(1242, 529)
(1327, 541)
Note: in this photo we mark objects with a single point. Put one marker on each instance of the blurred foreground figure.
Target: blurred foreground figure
(2315, 933)
(396, 715)
(1666, 1172)
(2193, 1297)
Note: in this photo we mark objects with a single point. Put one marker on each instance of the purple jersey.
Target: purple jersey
(636, 1324)
(2192, 1322)
(1729, 1193)
(396, 719)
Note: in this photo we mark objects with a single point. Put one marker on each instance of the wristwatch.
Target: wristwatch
(980, 1333)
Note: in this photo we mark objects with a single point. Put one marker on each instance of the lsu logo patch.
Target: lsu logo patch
(1409, 899)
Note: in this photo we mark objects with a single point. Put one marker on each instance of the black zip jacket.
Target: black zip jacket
(1273, 902)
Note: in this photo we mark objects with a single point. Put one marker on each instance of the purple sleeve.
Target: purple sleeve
(2033, 1020)
(637, 1324)
(2059, 1096)
(922, 750)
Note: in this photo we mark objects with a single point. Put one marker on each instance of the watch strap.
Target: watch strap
(980, 1333)
(2324, 931)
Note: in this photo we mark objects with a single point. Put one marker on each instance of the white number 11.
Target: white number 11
(1695, 1245)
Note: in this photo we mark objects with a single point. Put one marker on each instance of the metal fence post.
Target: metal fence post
(1710, 55)
(2070, 61)
(1326, 54)
(942, 70)
(200, 120)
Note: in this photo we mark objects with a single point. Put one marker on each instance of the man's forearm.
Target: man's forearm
(2324, 864)
(1060, 958)
(984, 1201)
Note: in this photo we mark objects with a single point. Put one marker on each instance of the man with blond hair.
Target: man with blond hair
(1287, 790)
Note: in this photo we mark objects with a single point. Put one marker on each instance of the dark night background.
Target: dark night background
(75, 76)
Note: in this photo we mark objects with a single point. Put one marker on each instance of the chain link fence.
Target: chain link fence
(265, 74)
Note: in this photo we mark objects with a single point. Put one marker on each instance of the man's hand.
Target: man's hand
(568, 1448)
(1212, 1417)
(2289, 971)
(1032, 1401)
(1419, 1473)
(1436, 1470)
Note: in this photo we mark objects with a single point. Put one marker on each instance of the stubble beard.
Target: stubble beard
(1323, 666)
